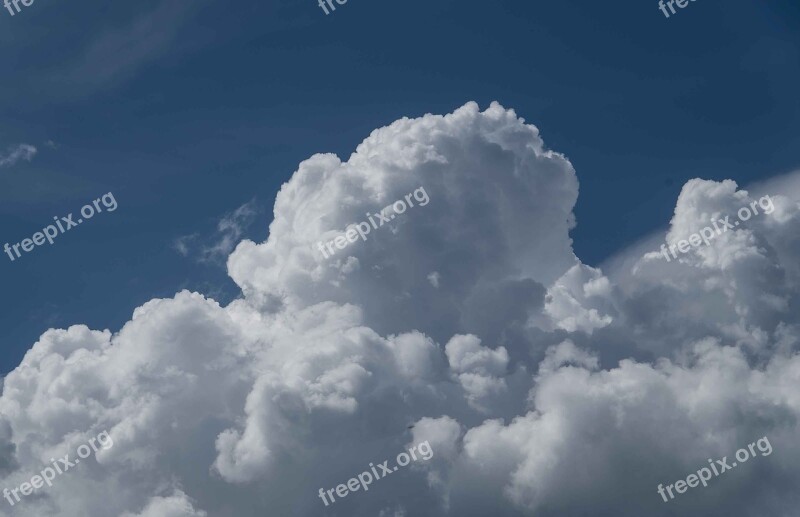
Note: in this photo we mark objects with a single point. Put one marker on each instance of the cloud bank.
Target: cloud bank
(544, 386)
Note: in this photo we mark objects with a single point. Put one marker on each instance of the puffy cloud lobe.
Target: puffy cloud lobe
(741, 286)
(145, 385)
(580, 300)
(594, 431)
(479, 369)
(467, 322)
(500, 209)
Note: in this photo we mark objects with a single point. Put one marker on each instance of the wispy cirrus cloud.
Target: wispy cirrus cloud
(15, 153)
(217, 247)
(117, 54)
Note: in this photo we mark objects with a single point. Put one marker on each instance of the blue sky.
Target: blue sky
(187, 111)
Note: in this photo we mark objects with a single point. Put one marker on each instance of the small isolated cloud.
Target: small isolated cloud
(183, 244)
(15, 153)
(217, 246)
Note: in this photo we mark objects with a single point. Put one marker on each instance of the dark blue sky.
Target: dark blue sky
(186, 110)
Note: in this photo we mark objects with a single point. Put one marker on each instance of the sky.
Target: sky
(518, 322)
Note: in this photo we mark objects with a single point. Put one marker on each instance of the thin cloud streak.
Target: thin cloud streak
(18, 152)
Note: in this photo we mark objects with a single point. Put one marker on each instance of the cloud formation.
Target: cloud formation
(544, 386)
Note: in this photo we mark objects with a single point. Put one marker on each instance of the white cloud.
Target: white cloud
(479, 370)
(15, 153)
(217, 246)
(176, 505)
(580, 300)
(182, 244)
(544, 386)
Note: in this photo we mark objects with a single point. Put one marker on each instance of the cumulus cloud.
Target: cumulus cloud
(544, 386)
(479, 370)
(580, 300)
(15, 153)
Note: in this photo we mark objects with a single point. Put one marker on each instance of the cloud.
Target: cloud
(217, 247)
(613, 435)
(174, 506)
(15, 153)
(118, 53)
(580, 300)
(544, 387)
(182, 244)
(479, 370)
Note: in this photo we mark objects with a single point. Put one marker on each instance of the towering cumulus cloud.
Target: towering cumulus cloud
(543, 386)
